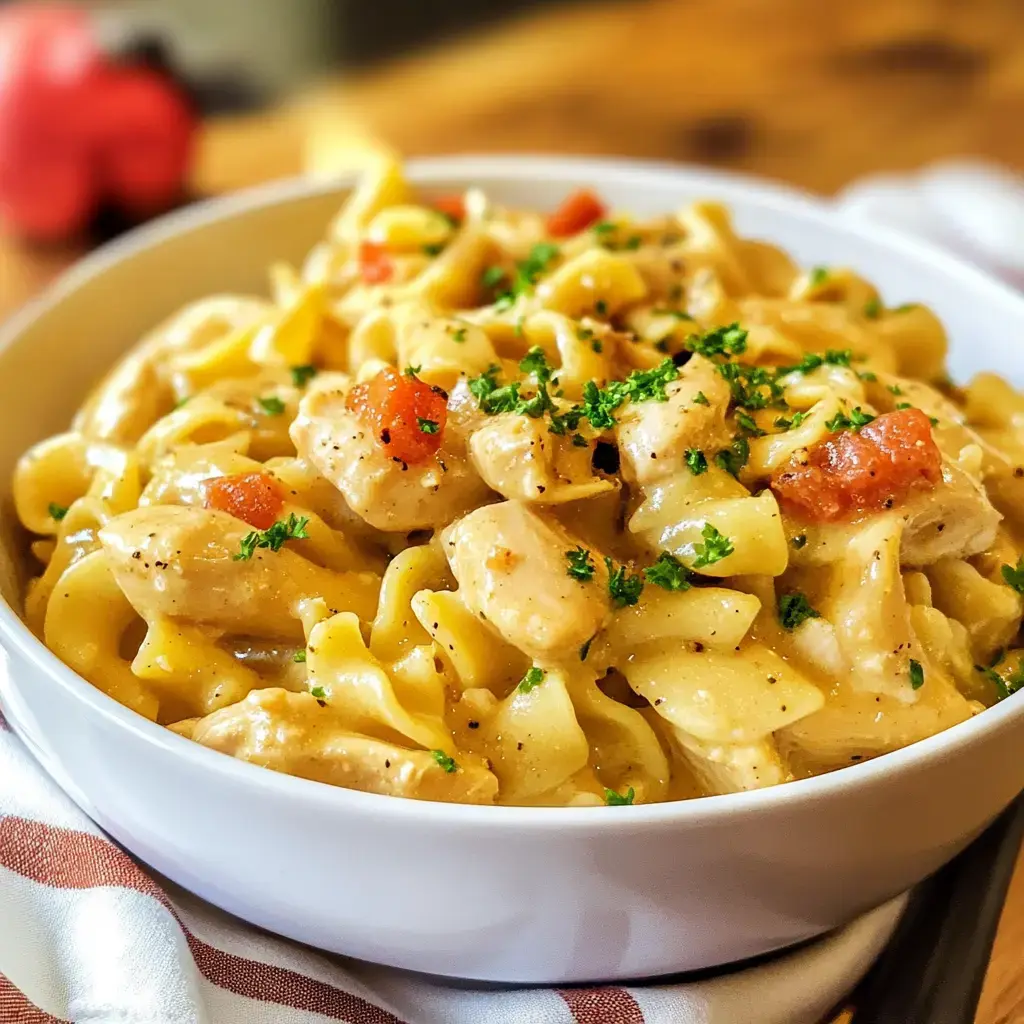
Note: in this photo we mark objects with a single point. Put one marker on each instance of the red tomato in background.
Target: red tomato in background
(77, 130)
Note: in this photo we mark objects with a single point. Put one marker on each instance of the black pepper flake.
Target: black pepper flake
(519, 746)
(473, 724)
(385, 436)
(698, 646)
(387, 762)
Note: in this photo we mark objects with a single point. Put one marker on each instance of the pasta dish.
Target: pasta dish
(487, 505)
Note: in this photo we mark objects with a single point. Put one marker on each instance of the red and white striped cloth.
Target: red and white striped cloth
(87, 935)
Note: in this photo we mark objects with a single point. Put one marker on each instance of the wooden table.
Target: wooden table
(815, 94)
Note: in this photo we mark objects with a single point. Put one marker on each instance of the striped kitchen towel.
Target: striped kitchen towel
(88, 935)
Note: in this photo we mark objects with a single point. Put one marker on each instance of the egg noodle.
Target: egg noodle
(491, 506)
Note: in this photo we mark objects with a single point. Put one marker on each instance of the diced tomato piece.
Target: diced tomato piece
(255, 497)
(375, 265)
(407, 416)
(451, 206)
(875, 468)
(578, 211)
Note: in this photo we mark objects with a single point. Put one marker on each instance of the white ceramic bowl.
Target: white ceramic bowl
(498, 893)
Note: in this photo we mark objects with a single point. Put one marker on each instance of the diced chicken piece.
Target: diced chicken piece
(521, 459)
(732, 768)
(511, 566)
(292, 733)
(654, 436)
(179, 563)
(385, 492)
(953, 520)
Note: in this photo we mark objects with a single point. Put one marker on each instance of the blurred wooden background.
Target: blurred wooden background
(812, 93)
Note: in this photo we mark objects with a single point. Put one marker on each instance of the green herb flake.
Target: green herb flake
(791, 422)
(668, 573)
(319, 692)
(734, 458)
(716, 546)
(604, 227)
(857, 419)
(300, 657)
(271, 405)
(579, 441)
(906, 307)
(747, 424)
(916, 675)
(292, 528)
(533, 678)
(873, 309)
(57, 512)
(1012, 575)
(596, 346)
(535, 362)
(581, 564)
(302, 375)
(895, 389)
(867, 375)
(625, 589)
(428, 426)
(818, 276)
(721, 341)
(492, 277)
(696, 461)
(613, 799)
(601, 307)
(411, 371)
(700, 399)
(444, 761)
(434, 248)
(794, 608)
(459, 335)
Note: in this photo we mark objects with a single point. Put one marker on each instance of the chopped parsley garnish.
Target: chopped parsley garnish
(1013, 575)
(895, 389)
(700, 399)
(596, 346)
(411, 371)
(900, 406)
(696, 461)
(868, 376)
(428, 426)
(716, 546)
(182, 401)
(601, 307)
(301, 375)
(526, 275)
(752, 387)
(581, 565)
(668, 573)
(791, 422)
(799, 541)
(492, 277)
(906, 307)
(536, 363)
(747, 424)
(300, 656)
(639, 386)
(271, 405)
(319, 692)
(857, 419)
(916, 675)
(623, 588)
(613, 799)
(604, 227)
(722, 341)
(533, 678)
(579, 441)
(292, 528)
(734, 458)
(434, 248)
(811, 361)
(57, 512)
(459, 335)
(794, 609)
(818, 276)
(446, 762)
(679, 314)
(873, 309)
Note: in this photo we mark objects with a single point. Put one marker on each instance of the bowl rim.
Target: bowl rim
(570, 170)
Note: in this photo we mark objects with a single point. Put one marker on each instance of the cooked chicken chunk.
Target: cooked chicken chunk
(654, 436)
(292, 733)
(180, 563)
(511, 565)
(387, 493)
